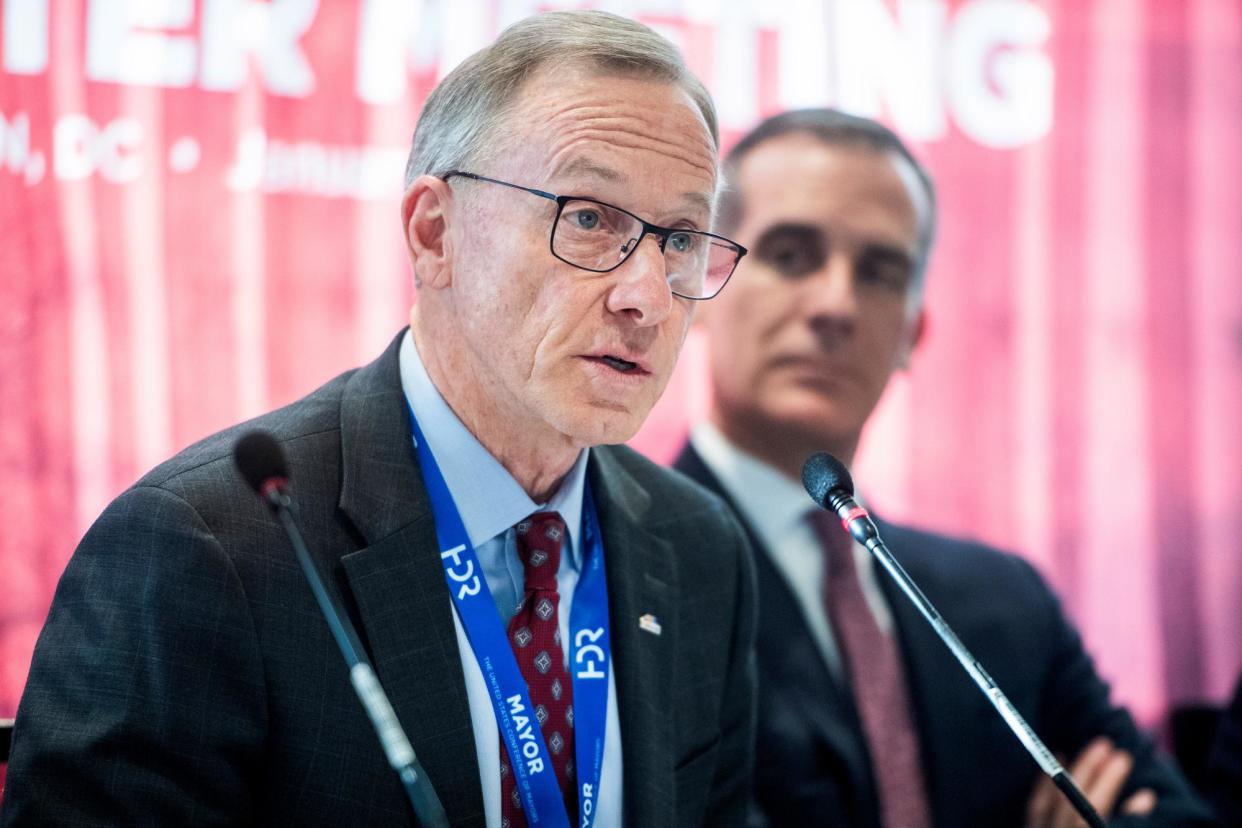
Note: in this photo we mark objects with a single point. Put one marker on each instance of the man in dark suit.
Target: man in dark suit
(1224, 769)
(862, 711)
(185, 676)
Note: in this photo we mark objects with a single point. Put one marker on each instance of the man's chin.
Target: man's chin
(815, 426)
(602, 424)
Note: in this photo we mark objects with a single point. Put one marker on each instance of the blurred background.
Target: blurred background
(199, 222)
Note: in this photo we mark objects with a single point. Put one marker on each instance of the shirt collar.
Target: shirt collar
(487, 497)
(771, 502)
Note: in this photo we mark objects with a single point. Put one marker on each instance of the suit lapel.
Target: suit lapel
(788, 655)
(642, 579)
(780, 618)
(799, 664)
(398, 588)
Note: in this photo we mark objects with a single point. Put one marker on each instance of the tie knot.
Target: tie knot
(837, 543)
(539, 541)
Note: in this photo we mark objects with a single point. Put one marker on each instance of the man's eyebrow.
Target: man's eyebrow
(585, 166)
(800, 232)
(701, 201)
(883, 250)
(786, 227)
(892, 253)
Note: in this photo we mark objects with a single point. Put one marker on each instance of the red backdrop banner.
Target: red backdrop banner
(199, 221)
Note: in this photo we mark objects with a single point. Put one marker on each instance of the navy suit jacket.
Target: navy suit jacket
(1224, 770)
(185, 676)
(812, 763)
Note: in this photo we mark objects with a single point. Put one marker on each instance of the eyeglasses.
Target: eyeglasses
(599, 237)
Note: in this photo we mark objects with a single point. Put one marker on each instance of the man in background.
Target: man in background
(1224, 768)
(185, 676)
(863, 711)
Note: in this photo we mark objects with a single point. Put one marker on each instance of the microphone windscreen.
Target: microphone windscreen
(822, 473)
(260, 458)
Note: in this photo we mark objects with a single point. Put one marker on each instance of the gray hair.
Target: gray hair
(464, 116)
(836, 129)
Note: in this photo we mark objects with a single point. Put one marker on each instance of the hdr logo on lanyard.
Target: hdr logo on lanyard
(590, 658)
(585, 654)
(461, 573)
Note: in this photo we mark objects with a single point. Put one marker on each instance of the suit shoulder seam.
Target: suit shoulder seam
(163, 481)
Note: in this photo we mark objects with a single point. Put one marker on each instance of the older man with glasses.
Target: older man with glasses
(565, 629)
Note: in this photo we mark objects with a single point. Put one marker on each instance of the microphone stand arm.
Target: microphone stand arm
(858, 522)
(427, 806)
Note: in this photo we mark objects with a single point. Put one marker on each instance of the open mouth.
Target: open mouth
(616, 363)
(622, 365)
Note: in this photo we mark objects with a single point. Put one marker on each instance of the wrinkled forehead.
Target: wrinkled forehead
(623, 136)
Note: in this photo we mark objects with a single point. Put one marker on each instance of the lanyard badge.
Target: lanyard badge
(589, 660)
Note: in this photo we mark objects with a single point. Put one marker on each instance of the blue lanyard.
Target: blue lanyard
(589, 662)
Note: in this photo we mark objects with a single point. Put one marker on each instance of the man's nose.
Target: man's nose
(641, 289)
(831, 292)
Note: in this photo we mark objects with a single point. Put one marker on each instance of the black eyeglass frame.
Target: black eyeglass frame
(661, 233)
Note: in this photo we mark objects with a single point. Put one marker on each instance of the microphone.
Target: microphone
(262, 464)
(828, 483)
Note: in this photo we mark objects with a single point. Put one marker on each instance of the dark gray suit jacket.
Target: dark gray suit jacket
(186, 677)
(812, 762)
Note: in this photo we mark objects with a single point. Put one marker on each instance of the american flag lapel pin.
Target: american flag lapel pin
(648, 623)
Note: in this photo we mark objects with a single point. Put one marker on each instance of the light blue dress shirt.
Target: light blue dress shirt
(776, 507)
(490, 502)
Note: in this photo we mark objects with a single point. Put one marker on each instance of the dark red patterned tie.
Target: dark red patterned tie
(873, 662)
(535, 637)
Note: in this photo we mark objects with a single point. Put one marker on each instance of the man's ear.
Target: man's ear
(914, 337)
(424, 213)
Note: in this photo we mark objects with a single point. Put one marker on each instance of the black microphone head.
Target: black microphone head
(260, 459)
(823, 474)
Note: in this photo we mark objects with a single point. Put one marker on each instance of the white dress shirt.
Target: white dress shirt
(490, 502)
(776, 507)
